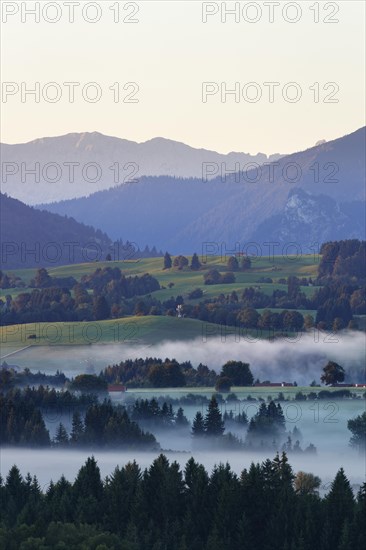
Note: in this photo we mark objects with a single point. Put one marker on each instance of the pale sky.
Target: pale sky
(169, 53)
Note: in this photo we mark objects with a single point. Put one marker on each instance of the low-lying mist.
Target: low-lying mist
(288, 359)
(298, 358)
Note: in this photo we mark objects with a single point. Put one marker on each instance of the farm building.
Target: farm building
(112, 388)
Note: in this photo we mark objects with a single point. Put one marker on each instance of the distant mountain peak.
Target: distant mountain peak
(119, 161)
(326, 200)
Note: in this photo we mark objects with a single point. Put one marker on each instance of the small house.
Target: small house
(113, 388)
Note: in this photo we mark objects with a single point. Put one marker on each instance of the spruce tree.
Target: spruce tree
(181, 419)
(88, 492)
(77, 430)
(195, 263)
(198, 426)
(214, 425)
(167, 261)
(15, 494)
(357, 427)
(339, 505)
(61, 437)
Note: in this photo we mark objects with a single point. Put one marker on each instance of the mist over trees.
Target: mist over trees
(357, 427)
(94, 424)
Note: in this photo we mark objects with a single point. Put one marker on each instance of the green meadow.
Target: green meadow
(144, 330)
(185, 281)
(31, 344)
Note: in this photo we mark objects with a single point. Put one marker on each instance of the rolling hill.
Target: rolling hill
(31, 237)
(314, 194)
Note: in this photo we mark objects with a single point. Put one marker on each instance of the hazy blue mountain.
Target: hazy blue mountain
(31, 237)
(182, 214)
(308, 219)
(65, 171)
(38, 238)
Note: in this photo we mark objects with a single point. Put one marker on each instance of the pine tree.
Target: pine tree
(88, 490)
(339, 505)
(195, 263)
(198, 519)
(15, 494)
(77, 430)
(357, 427)
(30, 513)
(167, 261)
(181, 420)
(214, 425)
(35, 432)
(198, 426)
(61, 437)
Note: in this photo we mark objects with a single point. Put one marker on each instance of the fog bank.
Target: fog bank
(51, 464)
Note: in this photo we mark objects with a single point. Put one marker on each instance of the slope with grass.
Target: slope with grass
(277, 267)
(133, 330)
(145, 330)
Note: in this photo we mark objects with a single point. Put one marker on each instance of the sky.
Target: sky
(160, 70)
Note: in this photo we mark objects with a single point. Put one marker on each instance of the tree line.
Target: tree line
(55, 300)
(266, 430)
(149, 412)
(24, 413)
(164, 507)
(157, 372)
(108, 293)
(344, 259)
(94, 424)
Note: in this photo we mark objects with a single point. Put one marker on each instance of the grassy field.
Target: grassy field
(135, 330)
(242, 393)
(142, 330)
(148, 330)
(187, 280)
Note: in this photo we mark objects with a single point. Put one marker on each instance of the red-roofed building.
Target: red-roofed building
(116, 388)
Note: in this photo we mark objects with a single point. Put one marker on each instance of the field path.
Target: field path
(14, 352)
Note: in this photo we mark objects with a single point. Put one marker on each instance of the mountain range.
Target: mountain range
(77, 165)
(306, 197)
